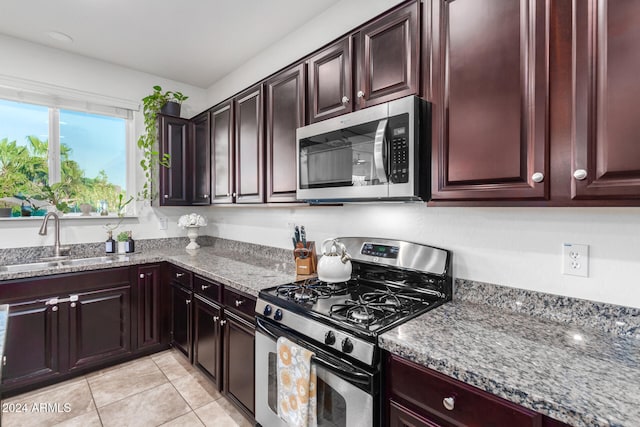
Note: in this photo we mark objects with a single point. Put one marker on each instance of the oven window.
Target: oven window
(342, 158)
(332, 407)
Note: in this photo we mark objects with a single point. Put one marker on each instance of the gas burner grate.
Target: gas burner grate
(365, 311)
(311, 290)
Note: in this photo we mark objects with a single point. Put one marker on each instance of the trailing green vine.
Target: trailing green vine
(148, 141)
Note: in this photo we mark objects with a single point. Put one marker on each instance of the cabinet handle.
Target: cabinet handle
(537, 177)
(360, 94)
(166, 196)
(449, 403)
(179, 274)
(142, 276)
(239, 302)
(345, 99)
(580, 174)
(4, 360)
(222, 322)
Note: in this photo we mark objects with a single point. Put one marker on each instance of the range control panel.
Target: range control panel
(380, 251)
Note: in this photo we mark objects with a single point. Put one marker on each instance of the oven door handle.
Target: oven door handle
(344, 371)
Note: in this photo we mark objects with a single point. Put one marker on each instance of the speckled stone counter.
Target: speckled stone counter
(244, 267)
(569, 370)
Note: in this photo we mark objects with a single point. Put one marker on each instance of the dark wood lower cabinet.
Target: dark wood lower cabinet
(399, 416)
(149, 304)
(239, 360)
(99, 326)
(207, 343)
(181, 319)
(31, 347)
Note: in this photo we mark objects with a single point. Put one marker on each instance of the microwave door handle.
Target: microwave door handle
(379, 149)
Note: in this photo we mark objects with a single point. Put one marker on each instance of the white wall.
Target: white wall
(339, 19)
(33, 62)
(518, 247)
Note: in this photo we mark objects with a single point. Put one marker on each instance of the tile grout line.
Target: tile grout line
(94, 400)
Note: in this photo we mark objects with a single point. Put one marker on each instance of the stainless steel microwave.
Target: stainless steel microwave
(379, 153)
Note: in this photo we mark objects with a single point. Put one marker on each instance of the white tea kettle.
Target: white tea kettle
(335, 264)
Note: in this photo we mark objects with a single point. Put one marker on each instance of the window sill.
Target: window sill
(68, 217)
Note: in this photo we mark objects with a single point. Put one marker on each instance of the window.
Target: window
(50, 155)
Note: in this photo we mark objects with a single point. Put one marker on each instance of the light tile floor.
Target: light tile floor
(158, 390)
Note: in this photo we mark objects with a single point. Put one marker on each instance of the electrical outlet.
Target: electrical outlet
(575, 260)
(163, 223)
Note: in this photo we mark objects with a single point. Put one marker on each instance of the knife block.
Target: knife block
(306, 259)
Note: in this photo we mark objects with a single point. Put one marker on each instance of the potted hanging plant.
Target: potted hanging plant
(151, 159)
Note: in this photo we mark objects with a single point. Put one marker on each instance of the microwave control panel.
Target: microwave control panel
(399, 153)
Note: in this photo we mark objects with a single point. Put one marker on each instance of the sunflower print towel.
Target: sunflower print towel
(296, 385)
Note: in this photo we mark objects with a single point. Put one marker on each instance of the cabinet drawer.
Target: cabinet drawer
(181, 276)
(206, 288)
(242, 304)
(465, 405)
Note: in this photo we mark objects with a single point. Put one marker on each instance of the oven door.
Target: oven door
(341, 402)
(344, 157)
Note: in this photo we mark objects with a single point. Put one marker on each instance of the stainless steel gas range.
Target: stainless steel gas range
(392, 281)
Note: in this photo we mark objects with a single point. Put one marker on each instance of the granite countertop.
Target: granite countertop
(247, 272)
(572, 372)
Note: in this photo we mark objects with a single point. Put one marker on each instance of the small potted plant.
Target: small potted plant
(122, 238)
(57, 195)
(153, 105)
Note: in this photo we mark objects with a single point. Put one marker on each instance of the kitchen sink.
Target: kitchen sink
(45, 265)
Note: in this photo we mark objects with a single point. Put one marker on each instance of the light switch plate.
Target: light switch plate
(575, 260)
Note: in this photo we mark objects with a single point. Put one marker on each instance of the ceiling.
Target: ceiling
(191, 41)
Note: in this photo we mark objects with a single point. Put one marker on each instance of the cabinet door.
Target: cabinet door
(239, 344)
(606, 118)
(330, 81)
(149, 318)
(399, 416)
(201, 159)
(181, 319)
(249, 146)
(389, 57)
(31, 346)
(99, 326)
(222, 160)
(490, 100)
(174, 180)
(285, 113)
(207, 341)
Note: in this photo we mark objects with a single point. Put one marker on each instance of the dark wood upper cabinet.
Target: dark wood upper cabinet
(174, 140)
(330, 81)
(222, 160)
(388, 57)
(490, 87)
(606, 122)
(201, 160)
(249, 146)
(285, 97)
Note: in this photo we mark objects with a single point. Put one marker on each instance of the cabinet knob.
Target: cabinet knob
(234, 194)
(345, 99)
(73, 305)
(215, 319)
(360, 94)
(54, 308)
(227, 194)
(179, 274)
(537, 177)
(580, 174)
(166, 196)
(205, 287)
(4, 360)
(188, 301)
(222, 322)
(142, 276)
(239, 302)
(449, 403)
(206, 196)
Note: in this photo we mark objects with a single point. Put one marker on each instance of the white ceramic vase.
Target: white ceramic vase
(192, 234)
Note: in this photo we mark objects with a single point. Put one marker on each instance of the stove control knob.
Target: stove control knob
(329, 338)
(277, 315)
(267, 310)
(347, 345)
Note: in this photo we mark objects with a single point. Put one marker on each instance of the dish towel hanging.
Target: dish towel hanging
(296, 385)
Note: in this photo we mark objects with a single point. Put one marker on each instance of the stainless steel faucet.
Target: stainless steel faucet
(57, 250)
